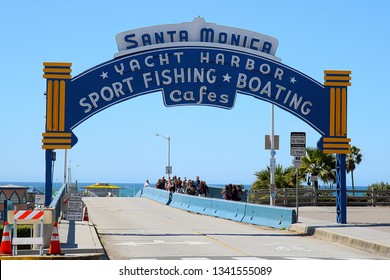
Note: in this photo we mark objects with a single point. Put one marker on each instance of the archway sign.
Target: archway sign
(198, 64)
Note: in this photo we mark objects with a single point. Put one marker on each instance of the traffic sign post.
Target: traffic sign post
(168, 170)
(297, 150)
(298, 144)
(74, 207)
(272, 164)
(268, 141)
(297, 162)
(297, 193)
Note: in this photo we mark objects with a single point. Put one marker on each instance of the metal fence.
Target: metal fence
(310, 197)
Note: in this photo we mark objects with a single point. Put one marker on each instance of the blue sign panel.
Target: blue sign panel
(209, 76)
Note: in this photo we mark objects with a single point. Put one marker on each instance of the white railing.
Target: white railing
(309, 197)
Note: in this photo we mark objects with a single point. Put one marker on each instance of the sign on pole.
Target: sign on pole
(297, 161)
(75, 207)
(272, 164)
(298, 144)
(267, 142)
(297, 150)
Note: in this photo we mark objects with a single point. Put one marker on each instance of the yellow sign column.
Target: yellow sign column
(337, 82)
(57, 74)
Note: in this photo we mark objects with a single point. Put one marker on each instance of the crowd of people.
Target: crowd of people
(178, 185)
(196, 187)
(232, 192)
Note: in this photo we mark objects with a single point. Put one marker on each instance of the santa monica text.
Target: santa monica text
(134, 40)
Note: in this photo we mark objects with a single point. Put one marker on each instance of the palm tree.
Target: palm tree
(284, 178)
(354, 158)
(317, 163)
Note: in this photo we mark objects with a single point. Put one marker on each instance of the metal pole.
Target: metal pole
(296, 198)
(70, 173)
(169, 155)
(168, 172)
(272, 172)
(65, 166)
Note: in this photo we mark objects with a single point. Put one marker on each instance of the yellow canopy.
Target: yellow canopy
(102, 186)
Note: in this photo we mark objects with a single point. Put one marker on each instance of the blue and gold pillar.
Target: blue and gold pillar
(337, 142)
(57, 74)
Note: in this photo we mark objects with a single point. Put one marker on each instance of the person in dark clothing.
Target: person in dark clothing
(227, 192)
(234, 193)
(203, 189)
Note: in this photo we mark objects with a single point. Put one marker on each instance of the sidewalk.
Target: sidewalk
(367, 228)
(78, 240)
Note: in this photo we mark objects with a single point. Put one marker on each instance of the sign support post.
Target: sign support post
(272, 188)
(297, 194)
(298, 150)
(49, 176)
(341, 189)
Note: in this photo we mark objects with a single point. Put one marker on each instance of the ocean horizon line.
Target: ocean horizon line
(57, 185)
(126, 189)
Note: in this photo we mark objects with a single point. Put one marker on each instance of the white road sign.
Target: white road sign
(75, 207)
(297, 161)
(272, 164)
(298, 144)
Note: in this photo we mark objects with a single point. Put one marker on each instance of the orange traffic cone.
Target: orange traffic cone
(6, 248)
(55, 246)
(86, 218)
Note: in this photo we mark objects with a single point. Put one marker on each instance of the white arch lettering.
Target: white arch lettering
(180, 74)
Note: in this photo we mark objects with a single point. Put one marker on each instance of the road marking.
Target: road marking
(195, 259)
(288, 247)
(247, 258)
(159, 242)
(298, 258)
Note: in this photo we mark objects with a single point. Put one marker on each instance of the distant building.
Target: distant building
(19, 196)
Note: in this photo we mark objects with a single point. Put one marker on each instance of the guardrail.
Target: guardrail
(56, 202)
(271, 216)
(287, 197)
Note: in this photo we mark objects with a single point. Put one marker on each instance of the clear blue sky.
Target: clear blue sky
(221, 146)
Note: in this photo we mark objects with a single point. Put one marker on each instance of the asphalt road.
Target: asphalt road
(139, 228)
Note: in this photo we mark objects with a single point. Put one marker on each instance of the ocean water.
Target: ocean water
(127, 189)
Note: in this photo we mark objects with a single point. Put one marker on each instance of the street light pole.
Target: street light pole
(272, 187)
(169, 167)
